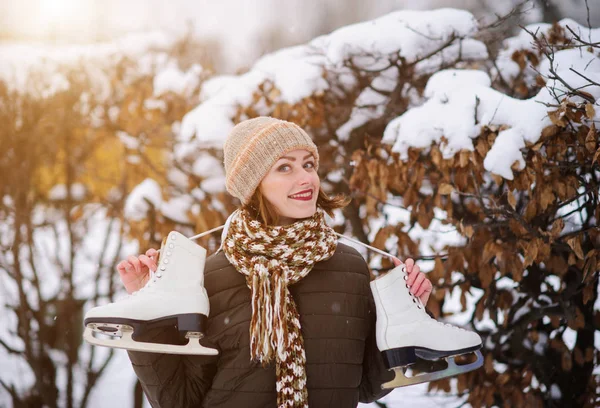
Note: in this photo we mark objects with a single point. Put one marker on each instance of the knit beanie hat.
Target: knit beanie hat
(253, 146)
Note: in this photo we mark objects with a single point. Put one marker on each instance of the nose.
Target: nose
(304, 178)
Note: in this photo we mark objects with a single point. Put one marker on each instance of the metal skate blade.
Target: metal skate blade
(109, 330)
(401, 380)
(126, 342)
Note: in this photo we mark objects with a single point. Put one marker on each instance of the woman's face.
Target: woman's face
(292, 186)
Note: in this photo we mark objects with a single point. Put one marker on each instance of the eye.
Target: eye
(309, 165)
(283, 167)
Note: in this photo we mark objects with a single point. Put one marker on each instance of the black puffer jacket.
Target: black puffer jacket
(337, 314)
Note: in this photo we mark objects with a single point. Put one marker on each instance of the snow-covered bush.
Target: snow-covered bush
(78, 133)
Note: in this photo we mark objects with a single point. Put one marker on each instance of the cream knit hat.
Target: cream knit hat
(253, 146)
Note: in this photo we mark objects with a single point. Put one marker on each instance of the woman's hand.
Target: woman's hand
(419, 285)
(135, 271)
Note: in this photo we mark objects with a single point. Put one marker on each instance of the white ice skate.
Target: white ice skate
(173, 296)
(405, 331)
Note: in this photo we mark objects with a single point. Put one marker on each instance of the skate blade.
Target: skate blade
(126, 342)
(452, 370)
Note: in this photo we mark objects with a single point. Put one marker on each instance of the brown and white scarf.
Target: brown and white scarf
(272, 258)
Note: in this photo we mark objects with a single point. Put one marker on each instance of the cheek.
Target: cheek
(316, 180)
(272, 187)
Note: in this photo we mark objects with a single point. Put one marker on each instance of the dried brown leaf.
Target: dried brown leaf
(590, 112)
(382, 236)
(512, 200)
(547, 197)
(424, 218)
(556, 117)
(463, 158)
(566, 361)
(445, 189)
(482, 147)
(596, 156)
(488, 366)
(578, 355)
(550, 131)
(591, 267)
(578, 321)
(531, 252)
(575, 244)
(588, 294)
(590, 139)
(557, 227)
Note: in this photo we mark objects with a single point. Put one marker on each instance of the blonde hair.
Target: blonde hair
(261, 209)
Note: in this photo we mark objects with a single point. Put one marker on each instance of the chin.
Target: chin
(303, 213)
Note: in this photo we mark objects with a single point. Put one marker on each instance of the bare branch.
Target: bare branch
(584, 77)
(9, 349)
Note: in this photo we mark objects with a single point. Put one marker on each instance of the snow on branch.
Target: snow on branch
(423, 38)
(459, 103)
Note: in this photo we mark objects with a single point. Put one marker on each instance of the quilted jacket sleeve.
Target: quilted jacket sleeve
(171, 380)
(375, 372)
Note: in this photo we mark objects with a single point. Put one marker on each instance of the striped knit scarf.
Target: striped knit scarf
(272, 258)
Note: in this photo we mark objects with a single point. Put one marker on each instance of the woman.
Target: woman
(291, 311)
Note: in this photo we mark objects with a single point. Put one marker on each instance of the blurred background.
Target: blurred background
(112, 114)
(239, 31)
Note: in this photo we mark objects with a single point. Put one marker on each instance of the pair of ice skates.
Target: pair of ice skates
(175, 296)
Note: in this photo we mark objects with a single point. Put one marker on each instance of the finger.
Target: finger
(425, 290)
(121, 266)
(427, 293)
(135, 262)
(414, 288)
(396, 261)
(409, 262)
(129, 267)
(151, 253)
(426, 287)
(148, 262)
(416, 270)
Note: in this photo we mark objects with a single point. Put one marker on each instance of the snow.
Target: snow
(120, 380)
(565, 63)
(174, 80)
(51, 255)
(141, 197)
(509, 69)
(297, 72)
(128, 141)
(176, 208)
(460, 103)
(417, 396)
(19, 61)
(411, 34)
(59, 192)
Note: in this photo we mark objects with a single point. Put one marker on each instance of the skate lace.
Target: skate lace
(153, 278)
(415, 299)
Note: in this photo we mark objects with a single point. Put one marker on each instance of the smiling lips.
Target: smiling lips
(305, 195)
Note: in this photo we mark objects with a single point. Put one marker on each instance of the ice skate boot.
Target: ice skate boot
(173, 296)
(405, 331)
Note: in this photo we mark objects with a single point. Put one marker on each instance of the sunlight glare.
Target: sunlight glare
(67, 18)
(55, 10)
(59, 12)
